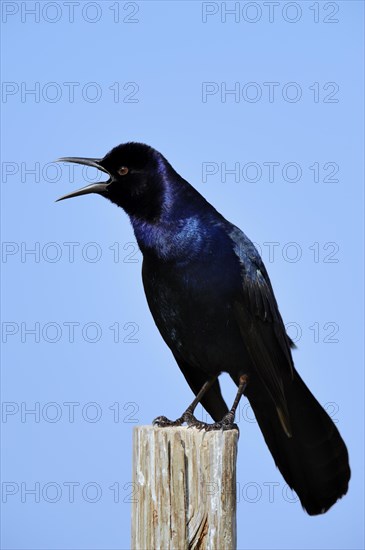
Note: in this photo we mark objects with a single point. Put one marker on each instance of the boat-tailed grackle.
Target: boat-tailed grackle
(212, 301)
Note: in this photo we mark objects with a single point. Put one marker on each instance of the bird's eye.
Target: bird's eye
(123, 171)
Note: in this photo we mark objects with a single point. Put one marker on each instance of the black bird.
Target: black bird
(212, 301)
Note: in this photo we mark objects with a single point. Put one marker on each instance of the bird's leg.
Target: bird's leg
(227, 422)
(188, 415)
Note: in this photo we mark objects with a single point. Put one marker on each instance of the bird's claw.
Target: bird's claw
(222, 425)
(227, 423)
(164, 422)
(197, 424)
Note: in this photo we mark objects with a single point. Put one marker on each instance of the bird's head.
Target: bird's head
(136, 179)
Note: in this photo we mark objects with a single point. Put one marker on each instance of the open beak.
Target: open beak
(99, 188)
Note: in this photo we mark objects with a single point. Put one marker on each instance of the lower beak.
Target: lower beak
(99, 188)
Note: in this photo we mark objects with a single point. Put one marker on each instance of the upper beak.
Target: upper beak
(99, 188)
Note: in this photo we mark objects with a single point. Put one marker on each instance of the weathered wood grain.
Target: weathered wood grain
(184, 489)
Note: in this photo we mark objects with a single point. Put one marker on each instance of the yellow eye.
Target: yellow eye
(123, 171)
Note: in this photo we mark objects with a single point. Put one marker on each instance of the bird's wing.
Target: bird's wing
(261, 325)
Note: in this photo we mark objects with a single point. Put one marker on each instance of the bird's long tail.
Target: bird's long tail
(314, 461)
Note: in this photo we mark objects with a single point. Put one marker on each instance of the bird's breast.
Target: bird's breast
(192, 305)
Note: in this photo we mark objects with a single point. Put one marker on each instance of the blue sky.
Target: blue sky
(262, 111)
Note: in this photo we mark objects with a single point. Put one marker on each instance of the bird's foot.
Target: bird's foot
(186, 418)
(163, 422)
(227, 423)
(193, 422)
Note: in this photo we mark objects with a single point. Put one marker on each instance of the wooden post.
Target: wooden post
(184, 489)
